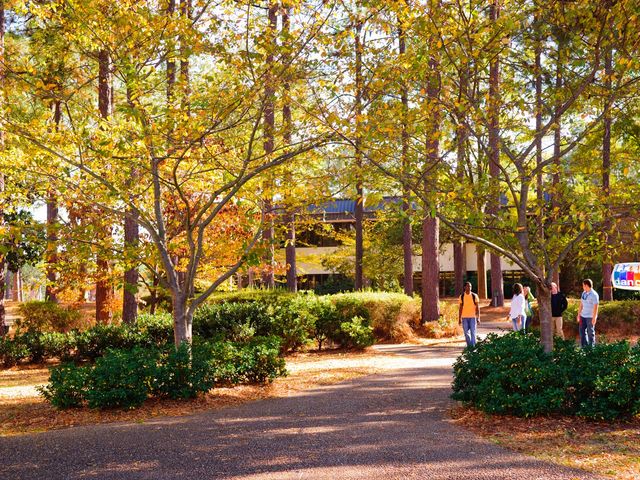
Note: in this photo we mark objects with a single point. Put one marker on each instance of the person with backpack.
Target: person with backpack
(528, 310)
(469, 314)
(559, 304)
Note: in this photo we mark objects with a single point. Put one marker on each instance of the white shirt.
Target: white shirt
(518, 304)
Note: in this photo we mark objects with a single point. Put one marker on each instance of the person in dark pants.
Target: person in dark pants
(469, 314)
(588, 314)
(559, 304)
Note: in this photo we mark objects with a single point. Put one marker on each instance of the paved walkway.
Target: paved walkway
(391, 426)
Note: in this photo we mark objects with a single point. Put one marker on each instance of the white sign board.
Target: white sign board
(626, 276)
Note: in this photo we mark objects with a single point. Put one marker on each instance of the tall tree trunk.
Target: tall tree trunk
(359, 206)
(290, 247)
(462, 135)
(482, 273)
(407, 243)
(539, 107)
(557, 140)
(459, 266)
(52, 226)
(544, 312)
(497, 290)
(607, 265)
(104, 287)
(268, 277)
(182, 320)
(16, 286)
(3, 266)
(430, 269)
(129, 302)
(52, 247)
(431, 224)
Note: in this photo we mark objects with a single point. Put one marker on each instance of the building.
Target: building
(312, 247)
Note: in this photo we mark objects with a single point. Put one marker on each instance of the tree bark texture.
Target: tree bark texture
(268, 277)
(290, 248)
(3, 266)
(482, 273)
(407, 242)
(607, 265)
(497, 289)
(430, 269)
(52, 247)
(431, 223)
(131, 240)
(359, 206)
(544, 311)
(459, 266)
(104, 287)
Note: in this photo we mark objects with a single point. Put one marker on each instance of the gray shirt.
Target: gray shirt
(589, 300)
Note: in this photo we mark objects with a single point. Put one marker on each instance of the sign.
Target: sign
(626, 276)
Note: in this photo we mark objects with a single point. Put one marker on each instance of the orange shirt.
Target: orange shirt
(468, 306)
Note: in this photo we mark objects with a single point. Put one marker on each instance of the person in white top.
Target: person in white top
(518, 305)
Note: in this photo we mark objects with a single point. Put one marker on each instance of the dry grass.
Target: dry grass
(608, 449)
(23, 411)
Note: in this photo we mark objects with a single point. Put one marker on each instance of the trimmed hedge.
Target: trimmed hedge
(126, 378)
(298, 320)
(303, 318)
(511, 374)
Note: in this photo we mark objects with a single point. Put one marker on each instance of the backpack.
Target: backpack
(473, 295)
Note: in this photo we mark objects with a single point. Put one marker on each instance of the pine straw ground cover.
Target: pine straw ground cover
(608, 449)
(23, 411)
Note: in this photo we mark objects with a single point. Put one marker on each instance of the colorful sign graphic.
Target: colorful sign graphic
(626, 276)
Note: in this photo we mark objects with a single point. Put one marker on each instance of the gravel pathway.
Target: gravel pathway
(389, 426)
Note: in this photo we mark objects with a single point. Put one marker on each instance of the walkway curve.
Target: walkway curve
(388, 426)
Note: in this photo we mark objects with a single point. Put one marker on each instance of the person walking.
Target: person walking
(469, 314)
(588, 313)
(517, 313)
(559, 304)
(528, 299)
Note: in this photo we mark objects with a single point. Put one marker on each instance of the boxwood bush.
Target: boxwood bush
(511, 374)
(126, 378)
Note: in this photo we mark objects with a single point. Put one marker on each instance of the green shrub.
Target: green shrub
(121, 378)
(259, 361)
(605, 381)
(393, 316)
(12, 352)
(326, 325)
(47, 317)
(511, 374)
(125, 378)
(67, 386)
(93, 343)
(358, 333)
(184, 372)
(229, 321)
(155, 329)
(290, 319)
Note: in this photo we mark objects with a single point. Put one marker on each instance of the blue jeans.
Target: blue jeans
(587, 332)
(469, 328)
(515, 323)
